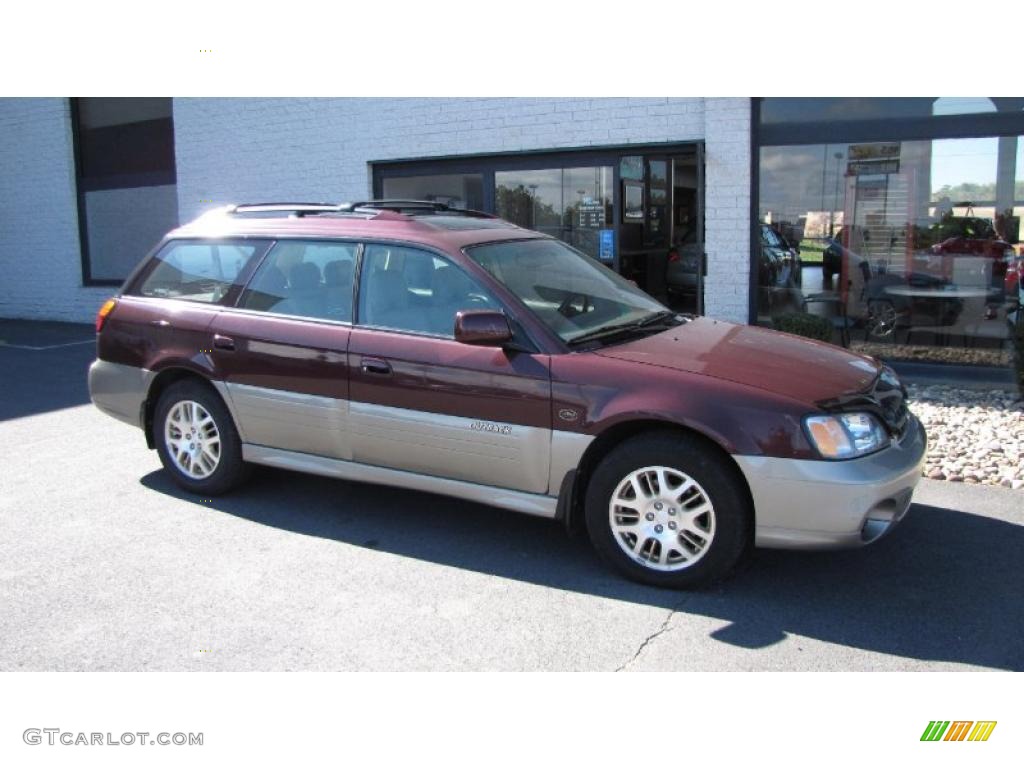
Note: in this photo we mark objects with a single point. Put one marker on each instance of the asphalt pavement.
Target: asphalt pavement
(106, 565)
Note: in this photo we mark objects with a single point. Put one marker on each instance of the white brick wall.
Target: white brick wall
(233, 150)
(278, 149)
(727, 208)
(40, 264)
(230, 150)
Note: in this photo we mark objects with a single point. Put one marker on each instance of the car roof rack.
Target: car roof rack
(413, 207)
(360, 208)
(293, 209)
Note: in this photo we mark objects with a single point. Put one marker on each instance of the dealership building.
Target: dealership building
(894, 221)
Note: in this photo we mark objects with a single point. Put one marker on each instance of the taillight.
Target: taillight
(104, 313)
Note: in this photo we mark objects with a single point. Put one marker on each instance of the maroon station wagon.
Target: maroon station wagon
(406, 344)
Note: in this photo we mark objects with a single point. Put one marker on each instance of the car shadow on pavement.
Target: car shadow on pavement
(944, 586)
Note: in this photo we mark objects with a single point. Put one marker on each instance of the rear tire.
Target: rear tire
(670, 510)
(197, 440)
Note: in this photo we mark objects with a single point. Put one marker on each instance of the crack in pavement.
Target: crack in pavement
(654, 635)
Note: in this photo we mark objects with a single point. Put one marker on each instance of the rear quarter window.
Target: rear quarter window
(196, 271)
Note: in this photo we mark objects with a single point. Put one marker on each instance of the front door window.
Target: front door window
(406, 289)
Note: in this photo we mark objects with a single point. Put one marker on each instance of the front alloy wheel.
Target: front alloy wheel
(662, 518)
(669, 508)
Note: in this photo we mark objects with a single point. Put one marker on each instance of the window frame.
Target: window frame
(82, 186)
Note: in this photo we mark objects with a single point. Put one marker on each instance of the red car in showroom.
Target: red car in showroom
(406, 344)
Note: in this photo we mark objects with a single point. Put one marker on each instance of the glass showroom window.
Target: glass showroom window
(572, 204)
(910, 249)
(457, 190)
(127, 193)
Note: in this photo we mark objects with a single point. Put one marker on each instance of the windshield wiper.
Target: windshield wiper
(651, 321)
(663, 315)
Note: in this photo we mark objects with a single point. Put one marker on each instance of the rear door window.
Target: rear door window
(304, 278)
(197, 271)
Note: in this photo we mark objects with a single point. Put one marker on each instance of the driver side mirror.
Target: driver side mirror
(482, 327)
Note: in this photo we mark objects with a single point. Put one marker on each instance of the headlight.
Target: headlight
(846, 435)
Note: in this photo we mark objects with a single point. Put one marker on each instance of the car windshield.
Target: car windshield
(571, 293)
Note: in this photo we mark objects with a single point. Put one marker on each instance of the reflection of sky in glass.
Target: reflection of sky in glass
(962, 105)
(958, 161)
(796, 180)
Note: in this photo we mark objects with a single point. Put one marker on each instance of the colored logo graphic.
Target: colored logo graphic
(958, 730)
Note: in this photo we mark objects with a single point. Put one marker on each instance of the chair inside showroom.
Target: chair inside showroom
(958, 316)
(835, 302)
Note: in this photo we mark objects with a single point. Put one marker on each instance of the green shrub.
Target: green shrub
(804, 324)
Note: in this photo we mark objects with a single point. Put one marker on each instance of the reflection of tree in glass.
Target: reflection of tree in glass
(520, 206)
(973, 192)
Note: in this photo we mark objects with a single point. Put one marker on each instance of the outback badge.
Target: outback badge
(486, 426)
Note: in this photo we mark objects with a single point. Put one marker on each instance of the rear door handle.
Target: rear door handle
(160, 323)
(374, 365)
(223, 342)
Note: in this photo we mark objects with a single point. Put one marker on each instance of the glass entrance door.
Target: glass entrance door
(661, 235)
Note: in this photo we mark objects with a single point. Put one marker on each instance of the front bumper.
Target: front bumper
(119, 390)
(802, 504)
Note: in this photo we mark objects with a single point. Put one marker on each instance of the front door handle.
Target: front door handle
(375, 365)
(223, 342)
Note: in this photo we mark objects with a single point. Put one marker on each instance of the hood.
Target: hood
(802, 369)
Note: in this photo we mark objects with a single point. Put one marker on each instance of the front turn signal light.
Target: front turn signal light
(104, 313)
(846, 435)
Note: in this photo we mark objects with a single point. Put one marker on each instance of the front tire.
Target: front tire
(668, 509)
(197, 440)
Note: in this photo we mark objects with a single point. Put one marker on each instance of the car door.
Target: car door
(282, 350)
(422, 402)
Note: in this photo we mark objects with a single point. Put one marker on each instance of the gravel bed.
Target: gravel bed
(1000, 358)
(974, 436)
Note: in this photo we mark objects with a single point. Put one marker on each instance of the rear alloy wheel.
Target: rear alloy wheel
(669, 509)
(197, 440)
(192, 439)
